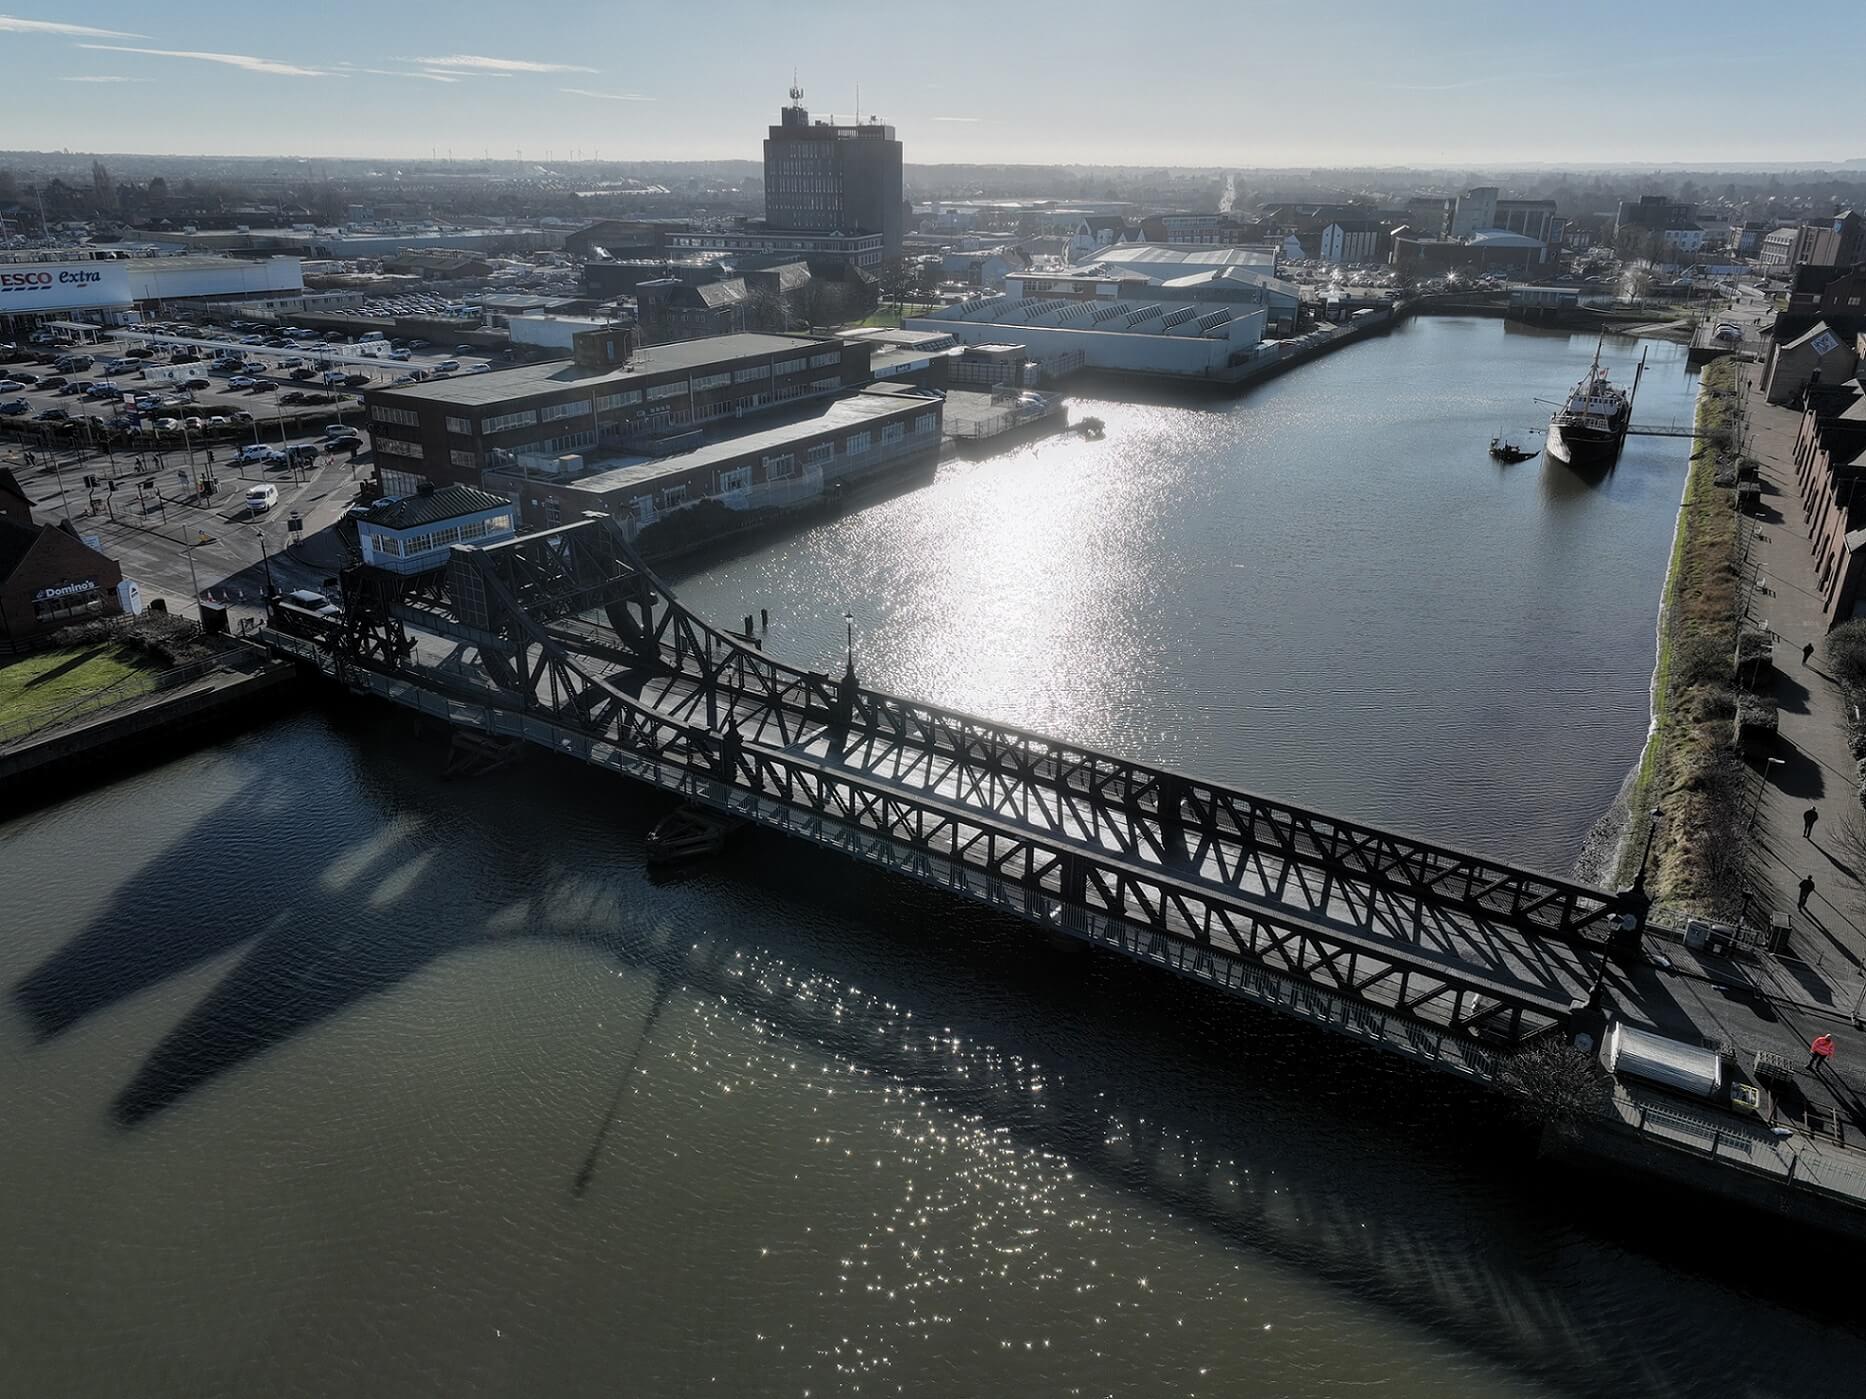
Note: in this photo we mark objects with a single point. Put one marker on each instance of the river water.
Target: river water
(323, 1076)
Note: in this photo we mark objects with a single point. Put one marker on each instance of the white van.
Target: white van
(261, 498)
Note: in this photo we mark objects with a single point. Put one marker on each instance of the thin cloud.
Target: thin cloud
(466, 73)
(105, 78)
(232, 60)
(349, 68)
(967, 120)
(606, 96)
(497, 65)
(10, 25)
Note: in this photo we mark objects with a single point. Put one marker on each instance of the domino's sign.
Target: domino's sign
(32, 288)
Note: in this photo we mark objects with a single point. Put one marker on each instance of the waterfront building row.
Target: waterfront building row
(1830, 460)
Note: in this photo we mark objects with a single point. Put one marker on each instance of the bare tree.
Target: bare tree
(1559, 1086)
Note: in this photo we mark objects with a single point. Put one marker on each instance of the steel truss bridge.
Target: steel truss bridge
(565, 639)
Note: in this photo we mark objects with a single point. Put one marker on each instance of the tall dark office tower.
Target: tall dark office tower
(824, 177)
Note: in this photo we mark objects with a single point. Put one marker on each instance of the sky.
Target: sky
(1108, 82)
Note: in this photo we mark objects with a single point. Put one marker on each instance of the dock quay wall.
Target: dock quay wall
(39, 766)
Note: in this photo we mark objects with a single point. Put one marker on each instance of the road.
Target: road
(149, 523)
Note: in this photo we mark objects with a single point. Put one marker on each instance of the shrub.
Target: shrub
(1845, 652)
(1698, 660)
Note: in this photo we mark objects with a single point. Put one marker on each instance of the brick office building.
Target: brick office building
(448, 431)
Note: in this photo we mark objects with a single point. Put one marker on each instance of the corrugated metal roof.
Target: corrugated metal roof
(1689, 1068)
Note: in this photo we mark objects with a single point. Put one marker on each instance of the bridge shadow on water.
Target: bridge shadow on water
(1391, 1186)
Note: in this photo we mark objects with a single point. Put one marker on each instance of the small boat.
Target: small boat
(1504, 450)
(688, 832)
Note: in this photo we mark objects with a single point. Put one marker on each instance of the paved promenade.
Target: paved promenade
(1815, 771)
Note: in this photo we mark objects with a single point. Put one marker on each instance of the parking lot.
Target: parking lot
(184, 387)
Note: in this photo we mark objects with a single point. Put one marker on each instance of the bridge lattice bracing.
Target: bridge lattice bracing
(569, 627)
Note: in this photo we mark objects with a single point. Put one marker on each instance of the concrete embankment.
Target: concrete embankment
(152, 726)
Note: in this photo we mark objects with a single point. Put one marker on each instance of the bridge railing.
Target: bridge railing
(1008, 767)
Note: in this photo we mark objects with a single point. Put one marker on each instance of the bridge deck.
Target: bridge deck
(1546, 973)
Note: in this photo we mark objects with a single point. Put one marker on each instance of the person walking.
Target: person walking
(1808, 818)
(1819, 1048)
(1807, 651)
(1807, 890)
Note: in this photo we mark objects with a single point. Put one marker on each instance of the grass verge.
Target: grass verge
(39, 687)
(889, 317)
(1689, 769)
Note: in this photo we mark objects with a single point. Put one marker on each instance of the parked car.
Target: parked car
(167, 424)
(262, 497)
(197, 383)
(479, 369)
(11, 385)
(301, 454)
(311, 601)
(447, 366)
(54, 415)
(355, 381)
(241, 416)
(241, 381)
(340, 430)
(398, 354)
(53, 381)
(14, 407)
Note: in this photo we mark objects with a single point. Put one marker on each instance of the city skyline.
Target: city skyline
(1362, 87)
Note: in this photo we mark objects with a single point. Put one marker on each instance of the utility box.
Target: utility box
(214, 618)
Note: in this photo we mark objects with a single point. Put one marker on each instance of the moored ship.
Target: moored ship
(1590, 428)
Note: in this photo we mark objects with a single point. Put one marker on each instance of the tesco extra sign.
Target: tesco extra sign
(31, 287)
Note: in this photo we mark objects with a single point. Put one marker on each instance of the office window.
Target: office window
(924, 423)
(674, 497)
(401, 417)
(609, 402)
(658, 392)
(711, 381)
(757, 371)
(390, 447)
(525, 418)
(857, 442)
(789, 366)
(557, 412)
(463, 426)
(893, 432)
(828, 358)
(464, 460)
(820, 453)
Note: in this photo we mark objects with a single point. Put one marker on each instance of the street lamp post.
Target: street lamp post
(194, 581)
(1761, 787)
(265, 557)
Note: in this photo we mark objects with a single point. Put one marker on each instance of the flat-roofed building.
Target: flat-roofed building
(791, 461)
(828, 176)
(450, 430)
